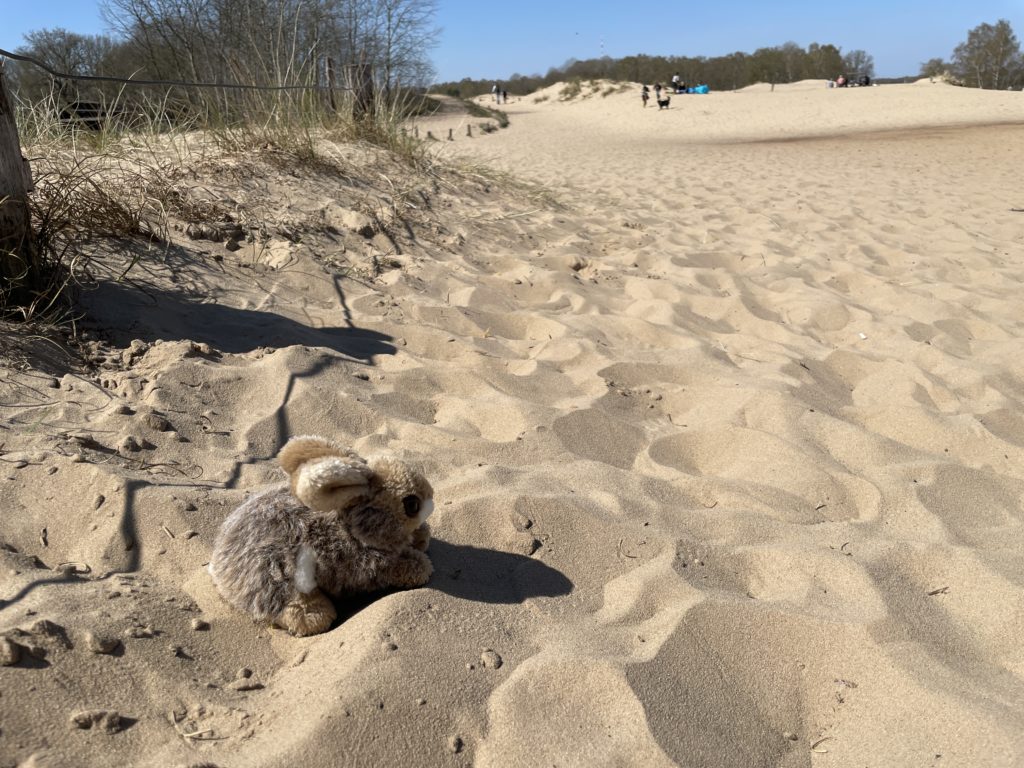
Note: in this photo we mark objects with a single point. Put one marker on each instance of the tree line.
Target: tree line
(257, 42)
(990, 57)
(780, 64)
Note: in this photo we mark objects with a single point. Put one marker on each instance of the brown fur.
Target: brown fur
(299, 450)
(348, 517)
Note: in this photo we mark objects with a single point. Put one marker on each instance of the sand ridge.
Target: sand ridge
(726, 450)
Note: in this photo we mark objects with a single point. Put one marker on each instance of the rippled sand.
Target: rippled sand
(727, 444)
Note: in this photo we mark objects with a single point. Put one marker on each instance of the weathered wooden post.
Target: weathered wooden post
(361, 83)
(450, 137)
(18, 262)
(330, 84)
(469, 131)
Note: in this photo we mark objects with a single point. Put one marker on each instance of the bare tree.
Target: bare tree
(990, 57)
(935, 68)
(859, 62)
(404, 33)
(278, 41)
(63, 51)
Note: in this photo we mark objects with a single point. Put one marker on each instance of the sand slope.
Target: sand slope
(727, 450)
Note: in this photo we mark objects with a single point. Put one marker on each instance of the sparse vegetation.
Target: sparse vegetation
(115, 189)
(104, 157)
(613, 89)
(571, 90)
(479, 110)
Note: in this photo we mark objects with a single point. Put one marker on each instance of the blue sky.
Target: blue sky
(493, 40)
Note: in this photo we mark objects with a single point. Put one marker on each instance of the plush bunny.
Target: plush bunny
(342, 524)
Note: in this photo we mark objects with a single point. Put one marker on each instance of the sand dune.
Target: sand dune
(726, 444)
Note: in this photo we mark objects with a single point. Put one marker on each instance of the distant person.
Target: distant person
(657, 91)
(504, 96)
(841, 81)
(494, 92)
(675, 82)
(645, 94)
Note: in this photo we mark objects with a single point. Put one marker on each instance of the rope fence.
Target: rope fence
(130, 81)
(361, 73)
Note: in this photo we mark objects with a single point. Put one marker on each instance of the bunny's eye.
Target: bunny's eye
(412, 505)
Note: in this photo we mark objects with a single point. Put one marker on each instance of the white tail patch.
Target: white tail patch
(305, 570)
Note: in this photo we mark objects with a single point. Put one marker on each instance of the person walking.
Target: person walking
(645, 94)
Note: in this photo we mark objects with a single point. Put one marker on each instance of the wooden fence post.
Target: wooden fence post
(360, 81)
(366, 89)
(18, 262)
(330, 84)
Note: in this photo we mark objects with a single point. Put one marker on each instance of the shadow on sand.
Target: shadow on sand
(127, 312)
(480, 575)
(491, 576)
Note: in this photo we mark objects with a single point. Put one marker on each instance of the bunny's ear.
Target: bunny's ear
(299, 450)
(331, 483)
(324, 475)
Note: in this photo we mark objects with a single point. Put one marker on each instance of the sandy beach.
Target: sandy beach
(722, 406)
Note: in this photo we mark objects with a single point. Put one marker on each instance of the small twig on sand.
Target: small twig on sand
(814, 746)
(167, 531)
(1017, 210)
(621, 553)
(939, 591)
(206, 735)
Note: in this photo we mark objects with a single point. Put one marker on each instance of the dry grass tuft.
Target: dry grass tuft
(121, 184)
